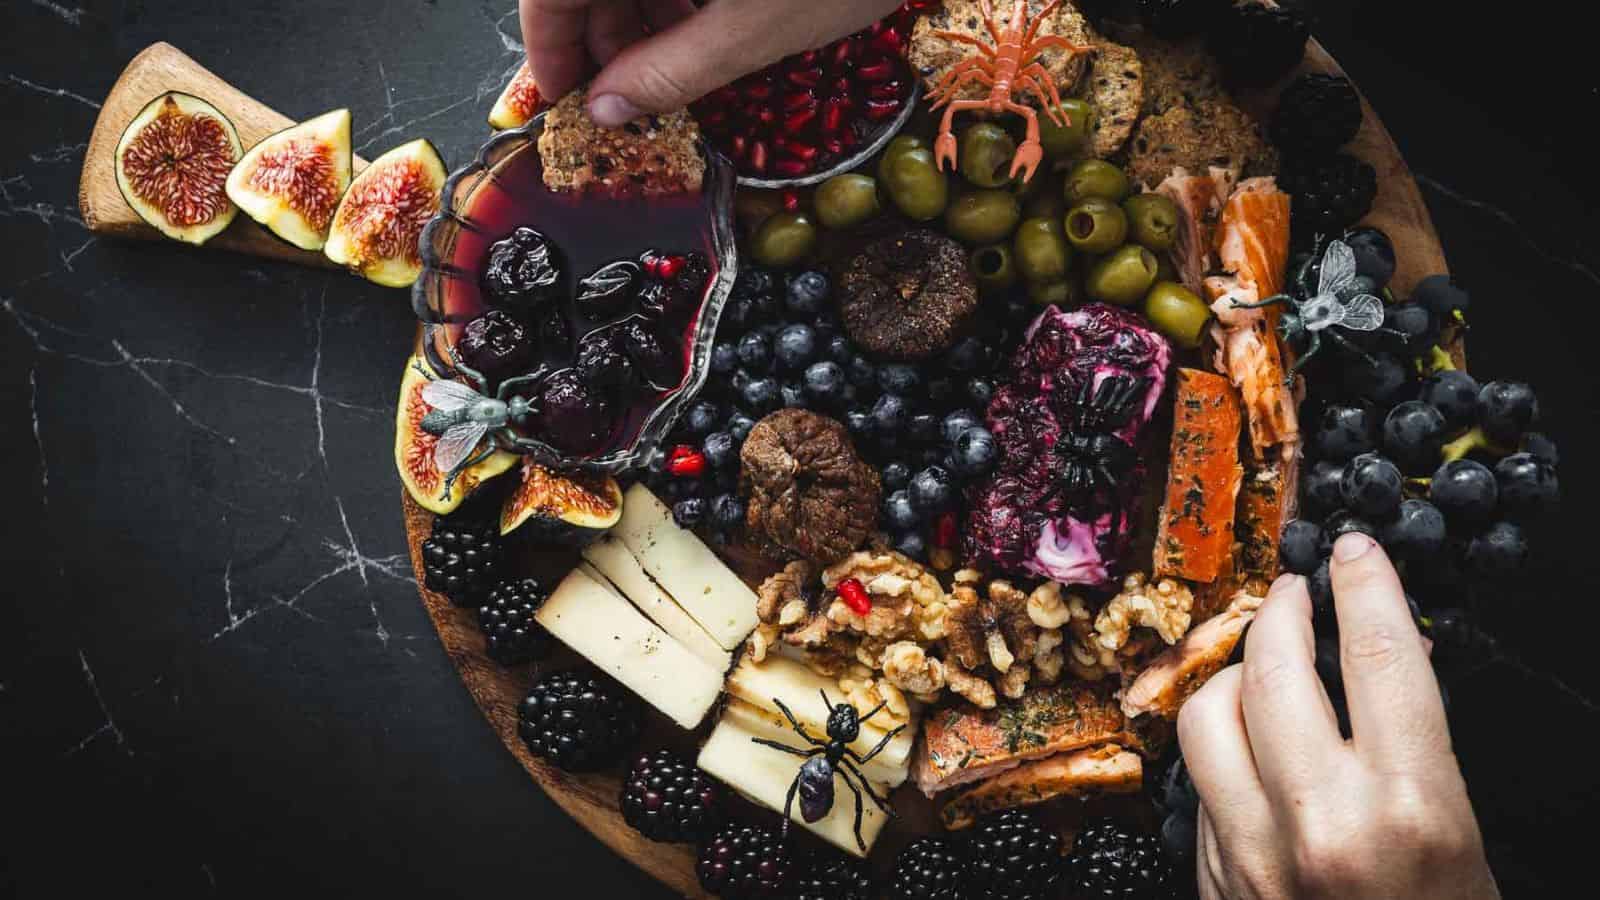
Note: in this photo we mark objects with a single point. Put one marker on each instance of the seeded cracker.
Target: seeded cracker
(654, 154)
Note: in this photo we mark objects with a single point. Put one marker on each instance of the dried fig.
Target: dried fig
(172, 164)
(810, 495)
(907, 296)
(378, 223)
(291, 182)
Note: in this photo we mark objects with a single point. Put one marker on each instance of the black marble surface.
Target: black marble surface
(215, 674)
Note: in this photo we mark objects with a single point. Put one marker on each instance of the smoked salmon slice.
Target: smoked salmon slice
(1194, 536)
(1092, 772)
(1163, 687)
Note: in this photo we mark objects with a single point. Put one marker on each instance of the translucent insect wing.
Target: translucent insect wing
(457, 444)
(1338, 269)
(448, 395)
(1364, 312)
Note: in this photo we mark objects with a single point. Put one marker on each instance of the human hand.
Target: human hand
(658, 55)
(1290, 809)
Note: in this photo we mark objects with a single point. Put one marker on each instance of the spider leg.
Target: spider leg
(1038, 21)
(960, 38)
(860, 810)
(788, 804)
(1057, 42)
(1275, 300)
(1037, 80)
(849, 768)
(988, 20)
(799, 729)
(955, 88)
(814, 751)
(875, 750)
(953, 79)
(874, 711)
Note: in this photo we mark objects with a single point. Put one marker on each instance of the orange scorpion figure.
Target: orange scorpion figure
(1010, 64)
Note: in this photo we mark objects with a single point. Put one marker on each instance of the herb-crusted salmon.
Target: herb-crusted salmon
(1091, 772)
(964, 744)
(1194, 535)
(1174, 676)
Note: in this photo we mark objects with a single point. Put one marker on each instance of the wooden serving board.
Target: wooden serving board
(157, 69)
(592, 799)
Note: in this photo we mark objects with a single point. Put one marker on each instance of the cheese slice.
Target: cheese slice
(802, 690)
(614, 564)
(764, 774)
(886, 770)
(605, 629)
(692, 574)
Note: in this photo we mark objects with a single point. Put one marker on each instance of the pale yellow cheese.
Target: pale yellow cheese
(605, 629)
(691, 573)
(764, 775)
(614, 563)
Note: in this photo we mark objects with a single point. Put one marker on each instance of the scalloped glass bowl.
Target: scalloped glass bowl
(436, 296)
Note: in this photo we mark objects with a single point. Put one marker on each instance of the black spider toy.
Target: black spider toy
(814, 783)
(1093, 459)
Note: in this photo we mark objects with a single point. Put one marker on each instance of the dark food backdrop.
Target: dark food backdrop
(215, 674)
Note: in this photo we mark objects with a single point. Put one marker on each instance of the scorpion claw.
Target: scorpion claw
(1027, 159)
(944, 150)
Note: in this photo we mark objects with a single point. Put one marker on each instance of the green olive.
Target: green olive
(1152, 220)
(993, 267)
(983, 217)
(784, 239)
(1096, 225)
(915, 184)
(1123, 277)
(899, 145)
(1037, 186)
(1065, 292)
(845, 201)
(1177, 313)
(1059, 140)
(985, 153)
(1046, 203)
(1043, 253)
(1095, 178)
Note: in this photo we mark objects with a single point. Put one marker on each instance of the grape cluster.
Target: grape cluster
(779, 344)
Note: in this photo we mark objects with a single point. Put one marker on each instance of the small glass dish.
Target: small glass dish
(881, 138)
(478, 202)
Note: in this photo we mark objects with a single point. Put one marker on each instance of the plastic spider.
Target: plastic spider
(1094, 459)
(814, 783)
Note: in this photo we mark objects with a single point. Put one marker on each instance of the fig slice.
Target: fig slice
(172, 164)
(518, 103)
(376, 227)
(571, 508)
(291, 182)
(413, 451)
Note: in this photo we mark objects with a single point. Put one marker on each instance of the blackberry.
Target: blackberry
(1014, 857)
(743, 861)
(667, 798)
(460, 559)
(524, 269)
(1316, 114)
(1174, 19)
(1331, 192)
(511, 635)
(929, 868)
(829, 876)
(577, 721)
(1258, 44)
(1113, 861)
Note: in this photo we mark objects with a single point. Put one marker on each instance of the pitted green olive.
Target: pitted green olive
(1096, 225)
(985, 154)
(1095, 178)
(1123, 277)
(1041, 250)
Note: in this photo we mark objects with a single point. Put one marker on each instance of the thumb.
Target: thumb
(718, 44)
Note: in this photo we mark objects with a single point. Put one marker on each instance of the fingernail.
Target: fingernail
(1282, 583)
(1351, 547)
(611, 110)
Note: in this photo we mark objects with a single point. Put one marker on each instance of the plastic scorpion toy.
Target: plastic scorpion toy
(1010, 64)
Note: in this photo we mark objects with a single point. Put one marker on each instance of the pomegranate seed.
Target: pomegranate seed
(833, 115)
(855, 596)
(875, 27)
(889, 90)
(686, 462)
(791, 201)
(798, 120)
(889, 41)
(878, 110)
(713, 118)
(758, 156)
(848, 138)
(842, 87)
(880, 69)
(843, 51)
(738, 146)
(766, 115)
(791, 168)
(799, 150)
(760, 90)
(806, 78)
(668, 267)
(944, 533)
(833, 145)
(797, 100)
(804, 59)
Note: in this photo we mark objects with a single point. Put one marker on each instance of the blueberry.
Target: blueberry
(690, 512)
(861, 372)
(899, 513)
(824, 382)
(980, 391)
(923, 428)
(936, 456)
(975, 452)
(931, 490)
(727, 511)
(794, 395)
(837, 348)
(895, 475)
(942, 391)
(739, 379)
(721, 450)
(752, 282)
(1303, 546)
(736, 316)
(970, 354)
(796, 347)
(890, 414)
(768, 307)
(859, 423)
(724, 358)
(899, 378)
(739, 426)
(755, 353)
(702, 418)
(912, 544)
(761, 396)
(807, 292)
(957, 422)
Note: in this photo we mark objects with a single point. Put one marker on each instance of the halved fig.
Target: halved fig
(377, 224)
(570, 508)
(413, 451)
(173, 163)
(291, 182)
(518, 103)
